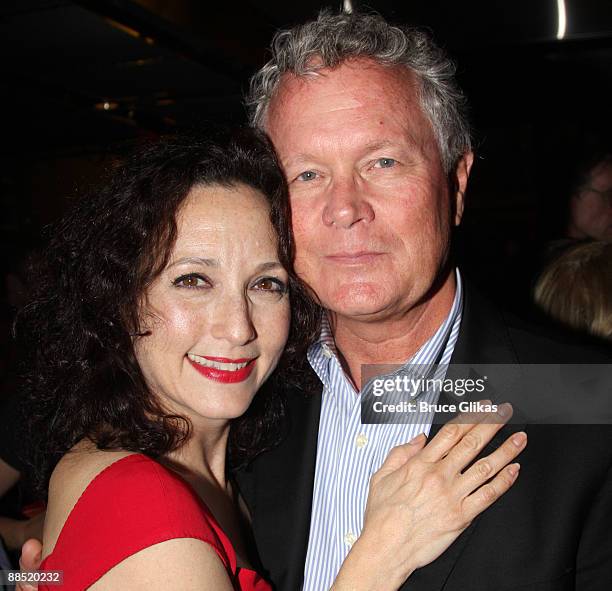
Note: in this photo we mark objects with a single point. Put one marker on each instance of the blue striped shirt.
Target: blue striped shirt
(349, 452)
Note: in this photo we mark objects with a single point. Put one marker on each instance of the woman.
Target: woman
(164, 308)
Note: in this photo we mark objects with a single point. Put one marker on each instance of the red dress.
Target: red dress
(132, 504)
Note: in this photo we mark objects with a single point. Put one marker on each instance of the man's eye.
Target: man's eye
(191, 281)
(385, 163)
(271, 285)
(308, 175)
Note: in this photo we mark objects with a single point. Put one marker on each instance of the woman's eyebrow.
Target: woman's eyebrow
(195, 260)
(267, 266)
(270, 266)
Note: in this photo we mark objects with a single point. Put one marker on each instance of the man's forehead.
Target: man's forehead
(349, 79)
(352, 90)
(361, 106)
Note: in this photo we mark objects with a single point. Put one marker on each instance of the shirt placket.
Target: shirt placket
(357, 458)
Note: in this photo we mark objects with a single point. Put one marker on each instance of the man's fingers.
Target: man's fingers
(487, 494)
(451, 433)
(486, 468)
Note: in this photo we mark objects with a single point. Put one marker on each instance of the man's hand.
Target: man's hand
(31, 557)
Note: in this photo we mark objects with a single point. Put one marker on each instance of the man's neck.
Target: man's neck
(394, 339)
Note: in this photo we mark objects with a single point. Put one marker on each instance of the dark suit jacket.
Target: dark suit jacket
(551, 531)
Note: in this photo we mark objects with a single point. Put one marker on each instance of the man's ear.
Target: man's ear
(462, 173)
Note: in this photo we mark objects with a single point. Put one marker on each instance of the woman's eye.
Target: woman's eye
(191, 281)
(385, 163)
(270, 285)
(308, 175)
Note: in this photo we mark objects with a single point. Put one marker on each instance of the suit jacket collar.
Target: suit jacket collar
(278, 489)
(483, 339)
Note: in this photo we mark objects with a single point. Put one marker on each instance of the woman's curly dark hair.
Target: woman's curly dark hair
(83, 377)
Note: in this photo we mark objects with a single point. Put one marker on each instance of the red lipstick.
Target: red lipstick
(222, 375)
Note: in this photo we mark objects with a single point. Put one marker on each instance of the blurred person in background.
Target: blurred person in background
(590, 205)
(578, 205)
(575, 289)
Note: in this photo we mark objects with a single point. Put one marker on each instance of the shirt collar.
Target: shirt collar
(323, 353)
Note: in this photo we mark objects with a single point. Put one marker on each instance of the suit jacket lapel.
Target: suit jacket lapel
(278, 489)
(482, 339)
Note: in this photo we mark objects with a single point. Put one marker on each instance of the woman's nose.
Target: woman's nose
(233, 321)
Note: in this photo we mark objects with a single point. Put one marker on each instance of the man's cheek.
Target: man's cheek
(301, 225)
(304, 233)
(302, 265)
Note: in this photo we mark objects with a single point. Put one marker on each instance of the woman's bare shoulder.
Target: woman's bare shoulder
(72, 475)
(188, 563)
(183, 563)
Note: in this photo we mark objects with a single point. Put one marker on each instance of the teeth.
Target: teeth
(217, 364)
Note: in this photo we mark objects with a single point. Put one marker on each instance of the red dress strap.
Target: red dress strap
(132, 504)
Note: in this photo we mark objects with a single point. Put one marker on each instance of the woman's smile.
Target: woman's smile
(221, 369)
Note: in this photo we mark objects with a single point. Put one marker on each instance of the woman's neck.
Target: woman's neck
(203, 456)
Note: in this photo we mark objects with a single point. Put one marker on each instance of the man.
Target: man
(370, 128)
(590, 205)
(369, 125)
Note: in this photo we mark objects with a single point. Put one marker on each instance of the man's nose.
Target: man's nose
(347, 204)
(233, 321)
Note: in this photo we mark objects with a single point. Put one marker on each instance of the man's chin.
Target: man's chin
(359, 301)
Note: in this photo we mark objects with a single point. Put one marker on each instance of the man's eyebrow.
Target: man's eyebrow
(379, 145)
(298, 159)
(385, 144)
(369, 147)
(195, 260)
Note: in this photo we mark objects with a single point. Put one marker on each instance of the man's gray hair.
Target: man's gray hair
(332, 39)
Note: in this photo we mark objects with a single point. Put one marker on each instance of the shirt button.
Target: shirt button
(350, 538)
(327, 352)
(361, 440)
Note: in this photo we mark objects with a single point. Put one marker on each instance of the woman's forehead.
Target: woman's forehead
(234, 219)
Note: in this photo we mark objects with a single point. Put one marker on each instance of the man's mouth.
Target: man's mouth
(358, 257)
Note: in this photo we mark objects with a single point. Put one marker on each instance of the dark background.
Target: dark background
(80, 80)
